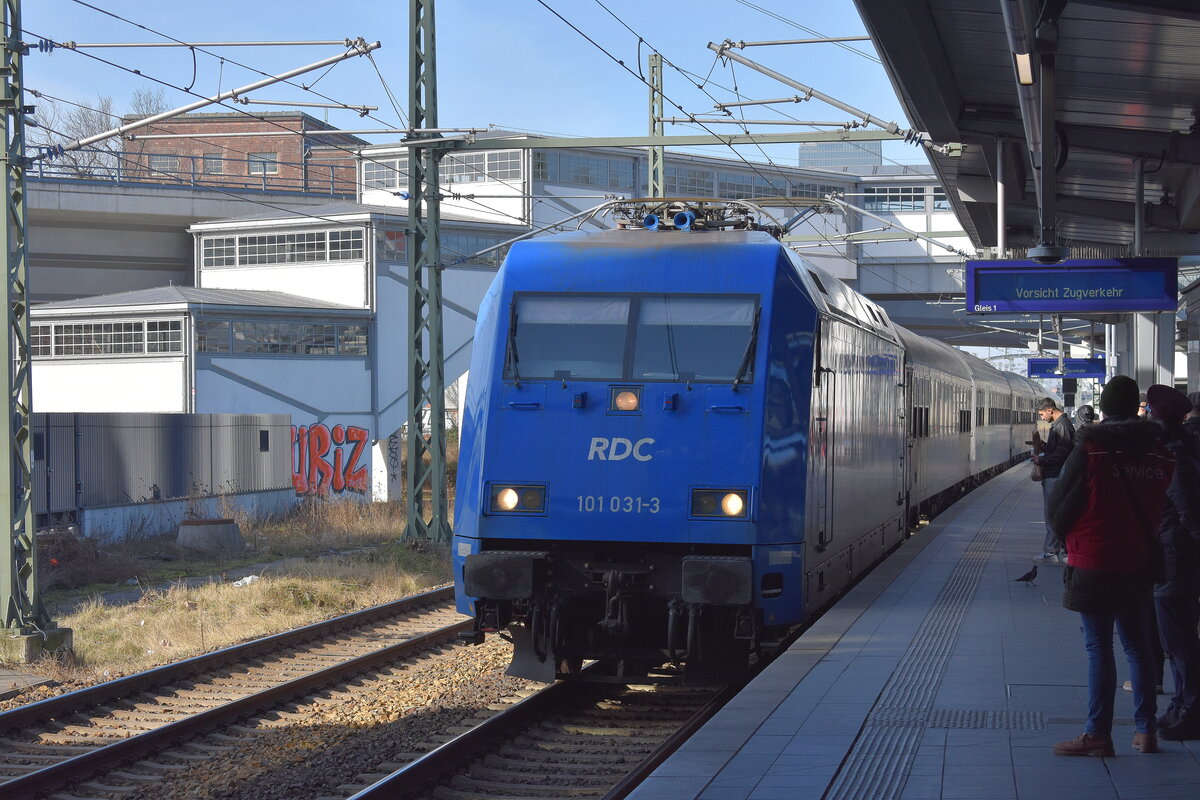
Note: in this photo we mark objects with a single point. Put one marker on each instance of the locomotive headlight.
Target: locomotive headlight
(523, 499)
(507, 499)
(720, 503)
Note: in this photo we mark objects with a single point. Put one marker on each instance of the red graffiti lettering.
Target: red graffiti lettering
(356, 478)
(320, 472)
(339, 475)
(324, 462)
(299, 459)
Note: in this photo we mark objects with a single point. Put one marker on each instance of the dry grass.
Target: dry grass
(346, 554)
(318, 526)
(179, 622)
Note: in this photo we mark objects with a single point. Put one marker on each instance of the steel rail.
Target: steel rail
(92, 696)
(465, 746)
(651, 762)
(84, 766)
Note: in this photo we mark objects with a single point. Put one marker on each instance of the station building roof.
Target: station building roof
(338, 213)
(1125, 86)
(177, 297)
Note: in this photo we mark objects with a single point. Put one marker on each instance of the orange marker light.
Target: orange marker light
(626, 401)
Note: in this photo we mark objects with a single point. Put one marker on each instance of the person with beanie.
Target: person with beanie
(1177, 594)
(1050, 458)
(1084, 416)
(1107, 504)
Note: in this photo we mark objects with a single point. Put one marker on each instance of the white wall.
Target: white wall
(462, 290)
(345, 283)
(503, 203)
(128, 384)
(279, 385)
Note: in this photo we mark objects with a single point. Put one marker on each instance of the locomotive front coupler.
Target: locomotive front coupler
(619, 584)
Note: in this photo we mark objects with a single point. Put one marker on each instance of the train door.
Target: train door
(901, 423)
(821, 472)
(909, 409)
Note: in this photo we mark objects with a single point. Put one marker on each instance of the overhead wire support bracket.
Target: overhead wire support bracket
(358, 48)
(773, 101)
(360, 110)
(93, 45)
(842, 203)
(723, 50)
(727, 121)
(823, 40)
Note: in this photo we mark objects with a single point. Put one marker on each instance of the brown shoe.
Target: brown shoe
(1145, 742)
(1087, 744)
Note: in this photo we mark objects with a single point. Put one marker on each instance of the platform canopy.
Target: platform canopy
(1126, 85)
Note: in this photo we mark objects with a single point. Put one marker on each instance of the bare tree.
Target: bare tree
(147, 101)
(59, 123)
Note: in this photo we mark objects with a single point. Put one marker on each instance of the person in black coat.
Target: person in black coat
(1051, 457)
(1191, 423)
(1177, 595)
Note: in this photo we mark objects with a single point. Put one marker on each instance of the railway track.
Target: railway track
(67, 739)
(570, 740)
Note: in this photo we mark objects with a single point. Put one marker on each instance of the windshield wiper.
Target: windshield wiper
(748, 357)
(513, 360)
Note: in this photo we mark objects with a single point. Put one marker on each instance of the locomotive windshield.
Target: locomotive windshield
(632, 337)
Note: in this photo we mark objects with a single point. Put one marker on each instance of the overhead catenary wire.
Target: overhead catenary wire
(734, 91)
(463, 257)
(780, 18)
(199, 49)
(664, 96)
(368, 158)
(274, 123)
(360, 47)
(223, 59)
(810, 222)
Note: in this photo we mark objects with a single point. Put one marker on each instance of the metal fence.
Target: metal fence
(173, 169)
(85, 461)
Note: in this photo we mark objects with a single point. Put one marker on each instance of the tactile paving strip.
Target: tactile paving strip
(882, 756)
(965, 718)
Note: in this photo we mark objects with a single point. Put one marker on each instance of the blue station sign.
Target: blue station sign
(1115, 285)
(1071, 368)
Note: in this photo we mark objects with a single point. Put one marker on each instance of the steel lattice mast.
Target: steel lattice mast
(23, 610)
(427, 517)
(654, 154)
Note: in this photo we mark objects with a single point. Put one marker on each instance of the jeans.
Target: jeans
(1178, 616)
(1134, 628)
(1051, 544)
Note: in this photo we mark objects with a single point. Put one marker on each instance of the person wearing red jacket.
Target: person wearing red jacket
(1107, 505)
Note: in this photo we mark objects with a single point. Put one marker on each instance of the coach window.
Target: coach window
(568, 337)
(693, 338)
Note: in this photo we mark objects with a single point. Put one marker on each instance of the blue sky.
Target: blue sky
(511, 64)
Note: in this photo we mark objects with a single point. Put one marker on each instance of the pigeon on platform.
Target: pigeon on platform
(1028, 577)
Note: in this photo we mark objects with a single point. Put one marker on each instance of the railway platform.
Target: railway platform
(937, 676)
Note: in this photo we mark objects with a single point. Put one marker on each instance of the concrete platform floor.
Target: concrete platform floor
(937, 677)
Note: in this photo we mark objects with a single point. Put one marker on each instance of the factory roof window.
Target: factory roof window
(106, 338)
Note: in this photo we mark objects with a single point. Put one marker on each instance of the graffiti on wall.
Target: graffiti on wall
(329, 460)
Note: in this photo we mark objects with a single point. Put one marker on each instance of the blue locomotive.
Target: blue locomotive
(681, 441)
